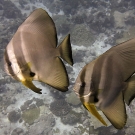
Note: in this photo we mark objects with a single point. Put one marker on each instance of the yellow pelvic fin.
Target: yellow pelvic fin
(92, 109)
(31, 86)
(27, 81)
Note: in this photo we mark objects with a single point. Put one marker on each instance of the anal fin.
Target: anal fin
(58, 77)
(129, 93)
(116, 112)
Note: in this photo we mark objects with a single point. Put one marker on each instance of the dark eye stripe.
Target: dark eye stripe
(9, 64)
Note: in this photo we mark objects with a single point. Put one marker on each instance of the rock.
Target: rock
(13, 88)
(44, 110)
(73, 99)
(1, 12)
(70, 6)
(29, 104)
(27, 7)
(1, 98)
(5, 101)
(104, 130)
(8, 79)
(111, 40)
(62, 24)
(71, 118)
(54, 7)
(95, 122)
(25, 106)
(80, 35)
(86, 123)
(92, 131)
(121, 19)
(75, 131)
(23, 2)
(121, 5)
(57, 94)
(130, 120)
(44, 125)
(3, 89)
(85, 130)
(10, 10)
(17, 131)
(48, 3)
(130, 131)
(60, 107)
(110, 131)
(30, 115)
(39, 102)
(79, 18)
(129, 34)
(14, 116)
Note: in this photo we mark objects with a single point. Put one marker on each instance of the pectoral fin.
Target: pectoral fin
(92, 109)
(116, 112)
(31, 86)
(125, 56)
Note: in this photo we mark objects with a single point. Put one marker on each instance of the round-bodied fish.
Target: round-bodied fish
(108, 82)
(33, 54)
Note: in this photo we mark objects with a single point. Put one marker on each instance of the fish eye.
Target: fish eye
(9, 64)
(95, 100)
(82, 85)
(32, 74)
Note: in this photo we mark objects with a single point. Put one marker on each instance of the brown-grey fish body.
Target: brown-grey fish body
(33, 54)
(108, 82)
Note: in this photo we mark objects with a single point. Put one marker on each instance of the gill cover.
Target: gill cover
(25, 78)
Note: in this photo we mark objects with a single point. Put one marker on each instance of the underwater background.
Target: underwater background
(95, 26)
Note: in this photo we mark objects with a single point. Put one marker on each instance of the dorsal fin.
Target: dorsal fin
(39, 22)
(126, 57)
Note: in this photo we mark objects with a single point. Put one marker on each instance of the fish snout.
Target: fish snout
(27, 81)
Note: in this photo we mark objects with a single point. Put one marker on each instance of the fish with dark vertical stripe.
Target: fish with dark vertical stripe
(33, 54)
(108, 82)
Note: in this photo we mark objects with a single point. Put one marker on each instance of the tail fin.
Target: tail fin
(66, 50)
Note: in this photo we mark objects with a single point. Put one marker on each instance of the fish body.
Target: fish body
(108, 83)
(33, 54)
